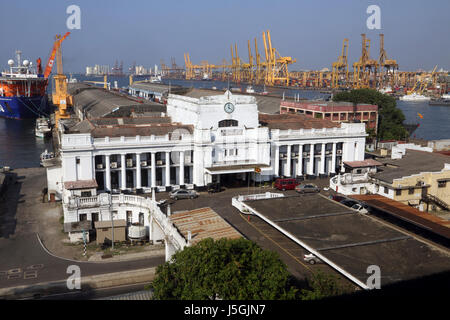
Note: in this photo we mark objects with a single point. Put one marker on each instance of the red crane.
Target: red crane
(51, 59)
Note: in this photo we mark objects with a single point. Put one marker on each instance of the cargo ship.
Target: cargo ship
(23, 90)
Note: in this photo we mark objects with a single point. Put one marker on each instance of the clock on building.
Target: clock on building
(229, 107)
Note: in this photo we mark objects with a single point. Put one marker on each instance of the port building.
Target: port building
(203, 136)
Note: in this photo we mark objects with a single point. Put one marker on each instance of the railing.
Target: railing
(105, 199)
(436, 200)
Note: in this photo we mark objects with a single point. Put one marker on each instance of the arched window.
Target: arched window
(228, 123)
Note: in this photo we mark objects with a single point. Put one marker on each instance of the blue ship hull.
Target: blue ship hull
(24, 107)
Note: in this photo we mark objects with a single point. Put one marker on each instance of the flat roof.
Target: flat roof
(361, 164)
(203, 223)
(405, 212)
(413, 162)
(351, 240)
(108, 224)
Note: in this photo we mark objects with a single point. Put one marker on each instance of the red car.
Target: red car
(286, 184)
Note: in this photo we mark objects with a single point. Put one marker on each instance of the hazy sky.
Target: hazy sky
(416, 32)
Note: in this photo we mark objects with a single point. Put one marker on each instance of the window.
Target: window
(398, 192)
(442, 184)
(77, 160)
(228, 123)
(386, 190)
(83, 217)
(411, 191)
(86, 194)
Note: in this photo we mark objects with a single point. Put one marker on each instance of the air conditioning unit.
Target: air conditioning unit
(114, 165)
(294, 154)
(143, 163)
(100, 166)
(159, 163)
(305, 154)
(339, 152)
(129, 163)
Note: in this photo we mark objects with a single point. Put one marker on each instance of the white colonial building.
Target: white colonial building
(203, 137)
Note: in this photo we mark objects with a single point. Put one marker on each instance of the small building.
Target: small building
(78, 230)
(334, 111)
(413, 177)
(104, 231)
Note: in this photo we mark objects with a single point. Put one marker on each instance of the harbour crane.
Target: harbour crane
(60, 97)
(339, 75)
(387, 67)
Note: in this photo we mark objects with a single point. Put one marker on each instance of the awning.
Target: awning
(237, 168)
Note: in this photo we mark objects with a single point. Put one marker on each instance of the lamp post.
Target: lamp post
(112, 228)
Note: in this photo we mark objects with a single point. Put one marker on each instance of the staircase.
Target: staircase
(431, 198)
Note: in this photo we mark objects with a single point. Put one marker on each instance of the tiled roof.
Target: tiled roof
(80, 184)
(203, 223)
(294, 121)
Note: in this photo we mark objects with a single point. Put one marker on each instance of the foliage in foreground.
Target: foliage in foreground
(391, 118)
(226, 269)
(322, 285)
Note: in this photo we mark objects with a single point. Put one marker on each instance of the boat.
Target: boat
(440, 102)
(42, 128)
(46, 158)
(155, 79)
(250, 89)
(446, 96)
(23, 90)
(414, 97)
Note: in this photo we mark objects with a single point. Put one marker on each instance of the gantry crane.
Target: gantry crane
(365, 69)
(339, 73)
(60, 97)
(387, 66)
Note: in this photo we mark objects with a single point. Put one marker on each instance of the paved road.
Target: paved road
(23, 261)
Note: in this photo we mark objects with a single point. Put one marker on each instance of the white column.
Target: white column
(108, 172)
(167, 169)
(181, 168)
(288, 163)
(153, 157)
(333, 159)
(150, 229)
(300, 160)
(123, 165)
(277, 161)
(138, 171)
(311, 160)
(322, 160)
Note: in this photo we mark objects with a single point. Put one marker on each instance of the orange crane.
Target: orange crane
(60, 97)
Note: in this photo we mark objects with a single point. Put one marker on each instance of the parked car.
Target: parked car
(183, 194)
(361, 208)
(349, 203)
(337, 198)
(307, 188)
(311, 259)
(213, 187)
(286, 184)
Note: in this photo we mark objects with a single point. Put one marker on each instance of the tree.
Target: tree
(322, 285)
(226, 269)
(391, 118)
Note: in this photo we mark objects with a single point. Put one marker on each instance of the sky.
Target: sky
(146, 31)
